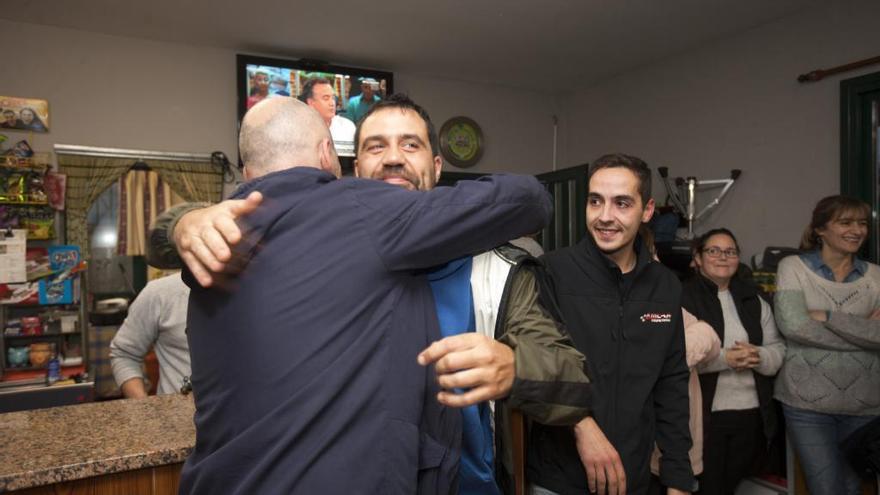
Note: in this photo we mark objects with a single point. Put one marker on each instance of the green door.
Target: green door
(860, 148)
(569, 190)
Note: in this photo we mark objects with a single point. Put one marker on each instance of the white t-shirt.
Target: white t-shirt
(342, 131)
(736, 389)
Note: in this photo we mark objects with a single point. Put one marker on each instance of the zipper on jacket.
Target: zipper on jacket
(617, 367)
(618, 344)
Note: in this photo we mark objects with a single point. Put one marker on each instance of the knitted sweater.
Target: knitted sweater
(830, 367)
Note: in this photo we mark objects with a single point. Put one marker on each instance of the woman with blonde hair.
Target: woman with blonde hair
(827, 304)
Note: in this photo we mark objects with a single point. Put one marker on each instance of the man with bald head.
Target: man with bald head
(304, 365)
(280, 134)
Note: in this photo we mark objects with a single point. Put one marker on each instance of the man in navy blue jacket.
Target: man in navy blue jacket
(304, 372)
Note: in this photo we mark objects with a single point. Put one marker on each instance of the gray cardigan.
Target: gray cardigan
(830, 367)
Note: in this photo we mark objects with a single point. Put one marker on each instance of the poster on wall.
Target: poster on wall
(24, 114)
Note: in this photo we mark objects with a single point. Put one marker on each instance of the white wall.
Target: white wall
(730, 104)
(736, 104)
(517, 125)
(121, 92)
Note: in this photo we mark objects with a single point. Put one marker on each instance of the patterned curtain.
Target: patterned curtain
(87, 177)
(194, 181)
(142, 197)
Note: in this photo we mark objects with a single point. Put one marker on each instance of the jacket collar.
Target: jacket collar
(588, 252)
(814, 261)
(282, 179)
(737, 288)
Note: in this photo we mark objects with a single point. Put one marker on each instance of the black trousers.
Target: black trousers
(733, 443)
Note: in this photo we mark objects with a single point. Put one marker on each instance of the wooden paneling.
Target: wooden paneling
(162, 480)
(167, 479)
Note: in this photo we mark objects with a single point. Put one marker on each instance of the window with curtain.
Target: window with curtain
(88, 177)
(120, 218)
(110, 206)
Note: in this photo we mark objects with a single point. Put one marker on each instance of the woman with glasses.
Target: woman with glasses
(827, 305)
(737, 386)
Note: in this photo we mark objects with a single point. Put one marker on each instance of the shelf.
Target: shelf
(51, 305)
(26, 368)
(41, 336)
(38, 368)
(24, 203)
(41, 160)
(51, 316)
(21, 375)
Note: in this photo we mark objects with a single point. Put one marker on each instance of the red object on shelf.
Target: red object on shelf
(31, 325)
(55, 184)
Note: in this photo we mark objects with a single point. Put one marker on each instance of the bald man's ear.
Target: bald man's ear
(328, 158)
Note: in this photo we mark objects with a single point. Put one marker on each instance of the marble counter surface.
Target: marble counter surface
(67, 443)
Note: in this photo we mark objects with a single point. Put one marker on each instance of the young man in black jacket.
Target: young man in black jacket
(623, 311)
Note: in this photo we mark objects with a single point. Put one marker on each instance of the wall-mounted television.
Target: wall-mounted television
(352, 91)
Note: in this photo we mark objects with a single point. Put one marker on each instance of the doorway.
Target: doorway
(860, 149)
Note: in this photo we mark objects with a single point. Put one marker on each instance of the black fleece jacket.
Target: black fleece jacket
(630, 329)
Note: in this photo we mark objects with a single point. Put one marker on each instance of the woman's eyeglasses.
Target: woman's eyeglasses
(716, 252)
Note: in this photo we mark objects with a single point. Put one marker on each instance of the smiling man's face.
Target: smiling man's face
(394, 147)
(615, 209)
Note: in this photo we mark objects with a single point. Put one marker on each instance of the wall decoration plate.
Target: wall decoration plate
(461, 142)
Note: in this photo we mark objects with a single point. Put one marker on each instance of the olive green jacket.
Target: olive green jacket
(551, 384)
(161, 250)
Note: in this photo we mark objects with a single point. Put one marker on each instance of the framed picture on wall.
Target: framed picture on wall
(24, 114)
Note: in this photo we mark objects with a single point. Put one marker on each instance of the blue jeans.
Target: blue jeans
(815, 437)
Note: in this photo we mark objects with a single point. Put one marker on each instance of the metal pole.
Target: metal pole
(70, 149)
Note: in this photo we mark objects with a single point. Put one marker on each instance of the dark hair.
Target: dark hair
(309, 87)
(631, 163)
(648, 238)
(403, 102)
(700, 242)
(826, 210)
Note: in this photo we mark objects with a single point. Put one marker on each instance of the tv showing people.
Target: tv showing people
(341, 96)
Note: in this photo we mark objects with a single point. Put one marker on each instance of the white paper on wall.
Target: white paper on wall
(12, 256)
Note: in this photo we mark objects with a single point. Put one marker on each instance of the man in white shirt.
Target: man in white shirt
(319, 94)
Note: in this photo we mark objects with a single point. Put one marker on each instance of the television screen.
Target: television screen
(342, 95)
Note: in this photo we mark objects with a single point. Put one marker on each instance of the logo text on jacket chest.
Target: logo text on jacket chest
(656, 318)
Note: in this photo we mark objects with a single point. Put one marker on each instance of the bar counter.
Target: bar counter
(63, 444)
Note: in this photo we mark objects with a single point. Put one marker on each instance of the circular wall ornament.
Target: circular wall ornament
(461, 142)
